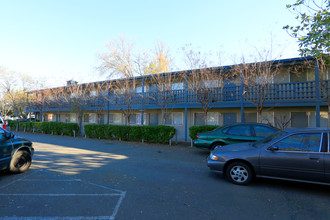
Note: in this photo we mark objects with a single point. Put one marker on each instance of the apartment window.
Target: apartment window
(153, 119)
(87, 118)
(174, 118)
(212, 118)
(132, 119)
(92, 93)
(299, 119)
(139, 119)
(139, 89)
(250, 117)
(67, 117)
(177, 86)
(211, 83)
(229, 118)
(298, 77)
(115, 118)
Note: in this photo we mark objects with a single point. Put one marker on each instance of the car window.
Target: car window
(241, 130)
(300, 142)
(263, 131)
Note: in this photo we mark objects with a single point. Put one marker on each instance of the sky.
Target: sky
(59, 40)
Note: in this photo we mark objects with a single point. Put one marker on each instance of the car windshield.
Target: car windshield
(268, 139)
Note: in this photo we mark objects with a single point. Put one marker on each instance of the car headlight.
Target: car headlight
(213, 157)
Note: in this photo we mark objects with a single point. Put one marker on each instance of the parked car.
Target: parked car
(15, 153)
(232, 134)
(3, 123)
(292, 154)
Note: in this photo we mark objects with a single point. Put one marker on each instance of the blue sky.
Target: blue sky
(59, 40)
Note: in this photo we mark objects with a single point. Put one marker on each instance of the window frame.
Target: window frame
(296, 151)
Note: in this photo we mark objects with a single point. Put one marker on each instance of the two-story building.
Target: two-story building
(284, 93)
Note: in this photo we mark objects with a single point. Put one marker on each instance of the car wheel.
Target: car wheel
(216, 145)
(239, 173)
(20, 162)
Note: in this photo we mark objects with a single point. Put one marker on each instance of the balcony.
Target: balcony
(277, 94)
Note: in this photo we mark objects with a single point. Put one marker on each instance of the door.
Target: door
(239, 134)
(297, 156)
(327, 159)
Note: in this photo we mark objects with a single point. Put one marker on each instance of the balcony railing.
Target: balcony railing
(274, 93)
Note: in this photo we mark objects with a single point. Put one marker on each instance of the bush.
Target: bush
(194, 130)
(57, 128)
(155, 134)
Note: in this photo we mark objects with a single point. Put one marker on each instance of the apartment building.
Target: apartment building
(284, 93)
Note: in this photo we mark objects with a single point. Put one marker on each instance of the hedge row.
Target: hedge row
(194, 130)
(155, 134)
(57, 128)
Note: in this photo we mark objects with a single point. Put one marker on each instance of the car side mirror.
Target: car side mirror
(12, 135)
(273, 148)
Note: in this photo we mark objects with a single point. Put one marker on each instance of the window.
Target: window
(115, 118)
(86, 118)
(132, 119)
(250, 117)
(177, 86)
(211, 83)
(174, 118)
(153, 119)
(67, 117)
(139, 119)
(229, 118)
(262, 131)
(212, 118)
(241, 130)
(93, 93)
(299, 120)
(139, 89)
(300, 142)
(298, 77)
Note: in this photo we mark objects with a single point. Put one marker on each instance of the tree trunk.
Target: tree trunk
(328, 115)
(259, 116)
(205, 118)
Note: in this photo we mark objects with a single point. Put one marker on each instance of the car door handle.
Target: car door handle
(317, 159)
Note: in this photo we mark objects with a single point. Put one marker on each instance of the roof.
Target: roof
(290, 61)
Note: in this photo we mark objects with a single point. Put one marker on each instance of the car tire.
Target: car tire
(20, 162)
(216, 145)
(239, 173)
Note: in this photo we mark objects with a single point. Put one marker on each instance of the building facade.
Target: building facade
(284, 93)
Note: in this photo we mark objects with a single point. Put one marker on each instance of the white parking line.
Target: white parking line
(117, 193)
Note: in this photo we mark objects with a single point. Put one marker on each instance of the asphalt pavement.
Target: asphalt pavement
(78, 178)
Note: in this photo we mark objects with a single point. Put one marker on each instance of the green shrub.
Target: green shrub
(155, 134)
(56, 128)
(194, 130)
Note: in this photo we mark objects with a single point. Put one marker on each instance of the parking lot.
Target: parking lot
(77, 178)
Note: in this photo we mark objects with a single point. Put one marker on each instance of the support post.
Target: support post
(242, 98)
(186, 109)
(317, 94)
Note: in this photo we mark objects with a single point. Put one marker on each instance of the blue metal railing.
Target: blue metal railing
(276, 92)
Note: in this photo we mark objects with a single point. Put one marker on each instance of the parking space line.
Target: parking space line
(117, 193)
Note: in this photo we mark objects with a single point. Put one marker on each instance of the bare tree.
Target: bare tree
(77, 97)
(163, 93)
(258, 79)
(123, 94)
(97, 97)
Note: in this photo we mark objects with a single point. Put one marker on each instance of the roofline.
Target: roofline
(287, 61)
